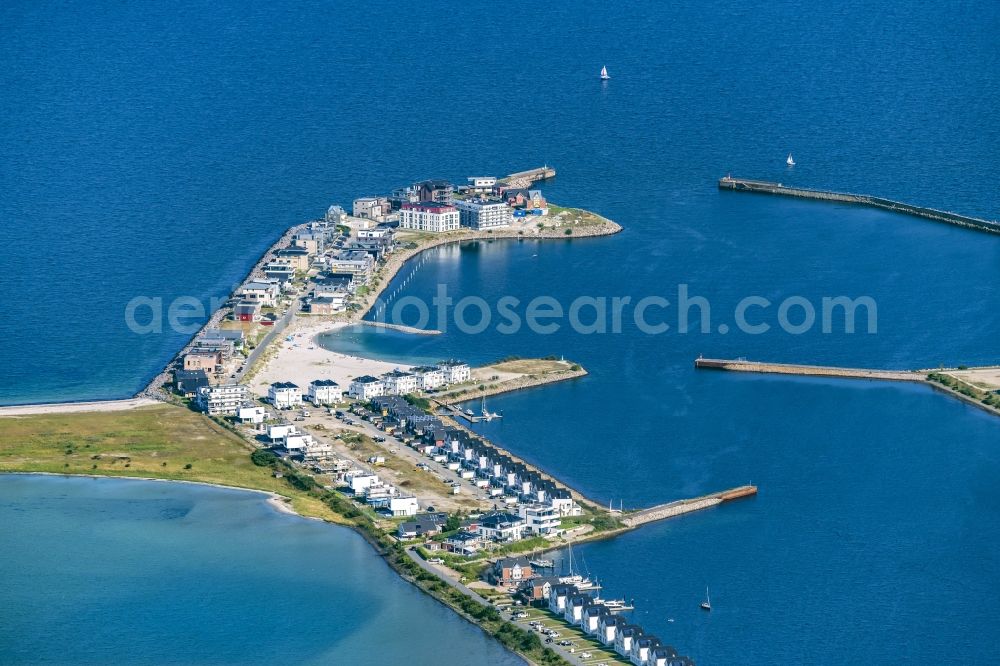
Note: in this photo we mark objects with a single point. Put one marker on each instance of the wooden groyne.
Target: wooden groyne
(766, 187)
(741, 365)
(680, 507)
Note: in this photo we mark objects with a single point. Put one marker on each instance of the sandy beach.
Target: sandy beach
(69, 407)
(302, 360)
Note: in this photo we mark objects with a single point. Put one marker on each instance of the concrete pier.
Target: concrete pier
(765, 187)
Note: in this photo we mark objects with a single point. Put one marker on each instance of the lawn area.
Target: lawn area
(532, 366)
(160, 442)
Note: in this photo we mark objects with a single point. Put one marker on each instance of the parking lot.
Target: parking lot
(570, 642)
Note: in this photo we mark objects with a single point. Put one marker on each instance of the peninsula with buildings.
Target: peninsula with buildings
(380, 447)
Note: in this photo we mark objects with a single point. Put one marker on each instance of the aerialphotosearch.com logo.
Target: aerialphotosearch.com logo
(651, 315)
(545, 315)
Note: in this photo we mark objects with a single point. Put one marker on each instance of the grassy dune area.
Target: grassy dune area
(161, 441)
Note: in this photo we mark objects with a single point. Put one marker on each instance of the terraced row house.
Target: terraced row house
(540, 502)
(598, 620)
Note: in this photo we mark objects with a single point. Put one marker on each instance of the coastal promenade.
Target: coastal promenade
(766, 187)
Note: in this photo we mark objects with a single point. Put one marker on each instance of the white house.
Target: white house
(428, 377)
(574, 608)
(264, 292)
(277, 433)
(360, 481)
(591, 618)
(298, 443)
(539, 518)
(398, 382)
(325, 392)
(255, 415)
(500, 526)
(455, 372)
(403, 506)
(624, 639)
(284, 395)
(366, 387)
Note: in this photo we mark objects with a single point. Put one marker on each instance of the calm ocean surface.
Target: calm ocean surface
(156, 152)
(100, 571)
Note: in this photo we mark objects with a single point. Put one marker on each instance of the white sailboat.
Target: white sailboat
(487, 415)
(789, 161)
(707, 603)
(604, 74)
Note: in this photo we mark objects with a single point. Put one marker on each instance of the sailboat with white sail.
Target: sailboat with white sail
(789, 161)
(486, 414)
(707, 603)
(604, 74)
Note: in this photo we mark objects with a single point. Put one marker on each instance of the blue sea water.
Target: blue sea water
(98, 571)
(156, 151)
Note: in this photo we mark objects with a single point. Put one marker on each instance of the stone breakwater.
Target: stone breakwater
(154, 389)
(807, 370)
(680, 507)
(511, 385)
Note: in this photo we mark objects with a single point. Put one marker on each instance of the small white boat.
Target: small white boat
(604, 74)
(789, 161)
(707, 603)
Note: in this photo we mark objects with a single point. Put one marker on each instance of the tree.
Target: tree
(263, 458)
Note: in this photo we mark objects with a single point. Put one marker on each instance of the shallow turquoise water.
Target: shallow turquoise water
(142, 572)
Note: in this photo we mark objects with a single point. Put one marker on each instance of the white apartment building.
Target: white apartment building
(429, 216)
(325, 392)
(455, 371)
(222, 399)
(366, 387)
(284, 395)
(428, 377)
(398, 382)
(358, 263)
(484, 214)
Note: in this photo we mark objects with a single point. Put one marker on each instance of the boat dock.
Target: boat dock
(742, 365)
(766, 187)
(456, 413)
(680, 507)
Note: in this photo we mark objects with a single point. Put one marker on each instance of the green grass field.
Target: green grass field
(161, 441)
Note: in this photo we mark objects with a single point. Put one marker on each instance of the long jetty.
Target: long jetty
(740, 365)
(680, 507)
(525, 178)
(766, 187)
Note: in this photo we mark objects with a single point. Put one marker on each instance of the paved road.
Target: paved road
(426, 566)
